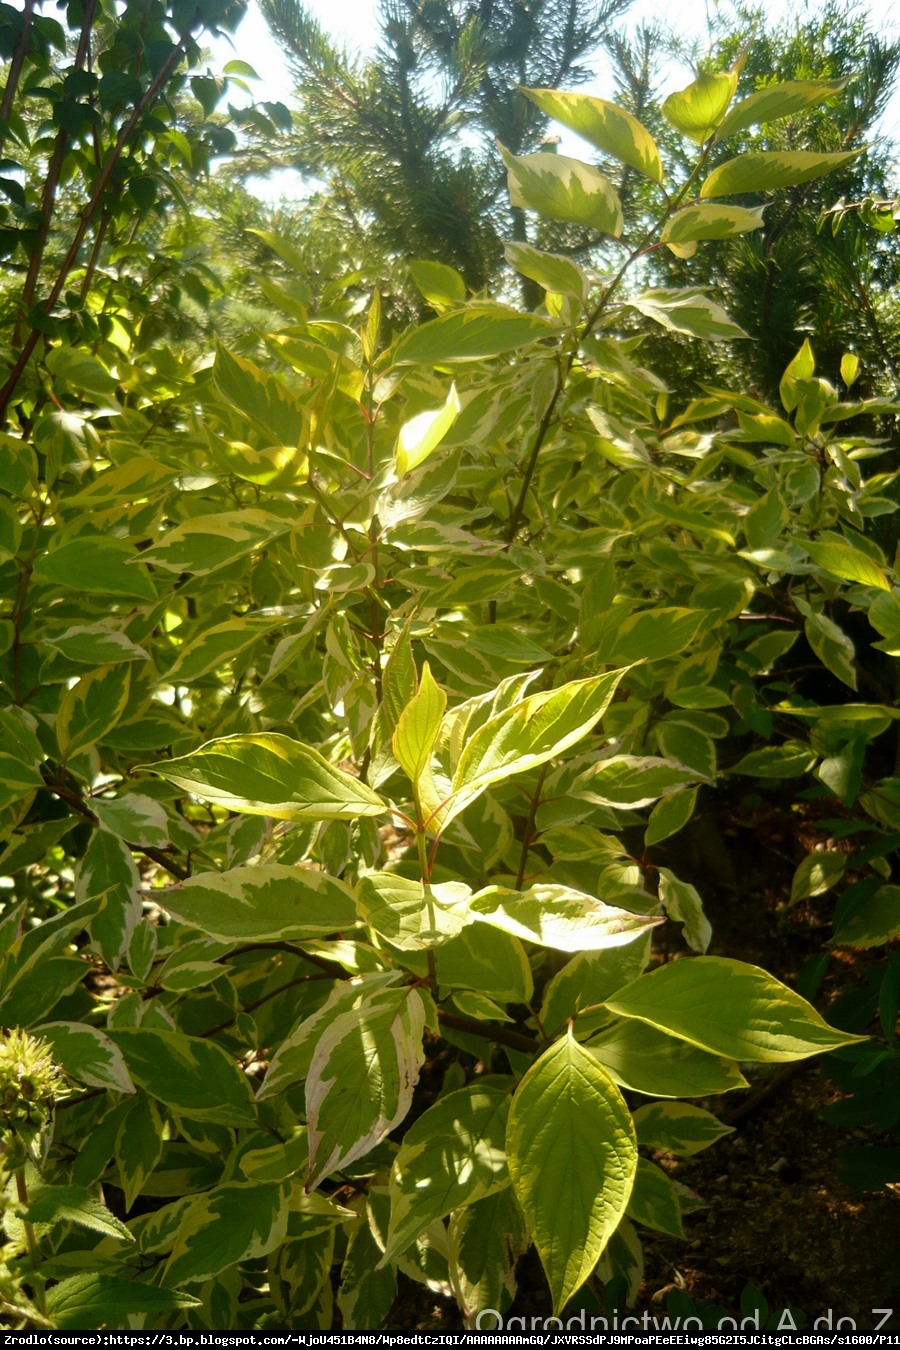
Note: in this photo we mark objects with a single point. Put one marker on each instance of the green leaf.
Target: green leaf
(708, 220)
(91, 708)
(87, 1055)
(99, 565)
(697, 110)
(550, 270)
(217, 647)
(96, 644)
(651, 635)
(654, 1200)
(634, 780)
(682, 903)
(262, 398)
(472, 334)
(849, 368)
(268, 903)
(271, 775)
(572, 1158)
(453, 1155)
(195, 1077)
(20, 754)
(851, 564)
(775, 102)
(206, 543)
(399, 678)
(528, 734)
(85, 1302)
(687, 311)
(238, 1221)
(647, 1060)
(830, 643)
(586, 981)
(75, 1205)
(418, 727)
(557, 916)
(677, 1128)
(605, 125)
(133, 816)
(669, 815)
(410, 916)
(278, 1162)
(798, 370)
(817, 873)
(756, 1016)
(877, 921)
(139, 1146)
(789, 760)
(487, 961)
(108, 871)
(486, 1241)
(560, 188)
(361, 1079)
(367, 1290)
(771, 170)
(140, 476)
(291, 1061)
(441, 285)
(10, 530)
(423, 434)
(884, 616)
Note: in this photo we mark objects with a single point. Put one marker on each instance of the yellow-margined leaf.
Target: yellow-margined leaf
(775, 102)
(572, 1157)
(561, 188)
(756, 1016)
(271, 775)
(771, 170)
(424, 433)
(605, 125)
(697, 110)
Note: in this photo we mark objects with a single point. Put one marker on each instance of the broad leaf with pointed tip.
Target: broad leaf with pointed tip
(271, 775)
(262, 904)
(195, 1077)
(605, 125)
(87, 1055)
(420, 436)
(560, 917)
(361, 1078)
(698, 110)
(418, 727)
(561, 188)
(687, 312)
(238, 1221)
(756, 1017)
(677, 1127)
(770, 170)
(84, 1302)
(775, 102)
(572, 1157)
(206, 543)
(479, 331)
(410, 916)
(452, 1155)
(647, 1060)
(527, 734)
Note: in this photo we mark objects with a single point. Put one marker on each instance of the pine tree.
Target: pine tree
(793, 278)
(409, 136)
